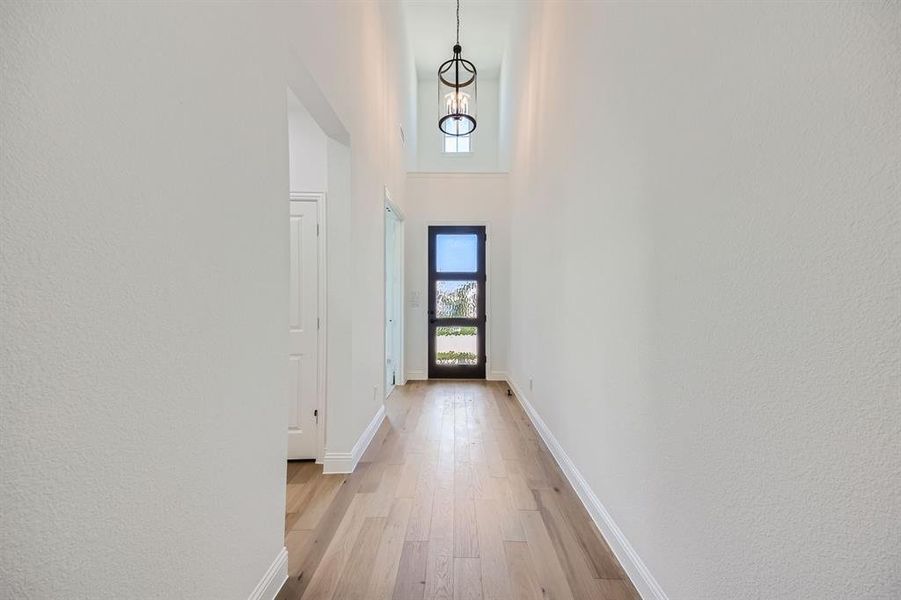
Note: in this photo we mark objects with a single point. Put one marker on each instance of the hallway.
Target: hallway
(244, 244)
(456, 497)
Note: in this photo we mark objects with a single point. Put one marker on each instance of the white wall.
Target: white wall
(370, 102)
(457, 199)
(711, 194)
(339, 387)
(307, 152)
(401, 89)
(144, 189)
(144, 300)
(484, 155)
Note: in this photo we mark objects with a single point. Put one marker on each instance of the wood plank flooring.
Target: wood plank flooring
(456, 498)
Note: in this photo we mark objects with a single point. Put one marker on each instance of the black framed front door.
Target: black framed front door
(457, 302)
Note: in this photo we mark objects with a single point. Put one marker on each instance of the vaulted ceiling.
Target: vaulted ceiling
(485, 27)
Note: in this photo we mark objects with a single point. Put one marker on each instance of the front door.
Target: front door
(303, 324)
(457, 302)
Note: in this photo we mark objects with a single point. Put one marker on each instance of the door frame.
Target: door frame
(322, 312)
(485, 288)
(400, 348)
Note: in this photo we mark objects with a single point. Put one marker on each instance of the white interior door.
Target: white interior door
(303, 325)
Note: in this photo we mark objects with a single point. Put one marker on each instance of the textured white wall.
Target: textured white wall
(484, 156)
(464, 199)
(144, 291)
(705, 239)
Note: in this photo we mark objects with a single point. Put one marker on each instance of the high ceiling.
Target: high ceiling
(484, 28)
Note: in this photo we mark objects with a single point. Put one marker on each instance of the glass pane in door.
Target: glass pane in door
(456, 299)
(456, 346)
(456, 253)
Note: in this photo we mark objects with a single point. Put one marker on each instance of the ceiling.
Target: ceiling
(484, 28)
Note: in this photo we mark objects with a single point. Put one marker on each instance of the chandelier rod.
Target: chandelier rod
(458, 22)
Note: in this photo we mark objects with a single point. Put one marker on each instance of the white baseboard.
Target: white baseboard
(497, 376)
(631, 562)
(271, 583)
(346, 462)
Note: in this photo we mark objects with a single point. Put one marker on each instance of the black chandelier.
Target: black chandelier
(457, 92)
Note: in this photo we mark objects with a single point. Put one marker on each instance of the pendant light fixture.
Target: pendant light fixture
(457, 92)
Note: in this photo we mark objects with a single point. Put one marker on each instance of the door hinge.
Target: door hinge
(316, 415)
(317, 323)
(317, 229)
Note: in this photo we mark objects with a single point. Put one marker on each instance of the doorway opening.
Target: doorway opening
(456, 309)
(307, 260)
(394, 370)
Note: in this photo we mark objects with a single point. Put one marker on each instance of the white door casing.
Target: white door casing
(390, 290)
(303, 330)
(394, 292)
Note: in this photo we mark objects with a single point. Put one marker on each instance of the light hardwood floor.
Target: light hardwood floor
(456, 498)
